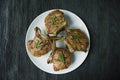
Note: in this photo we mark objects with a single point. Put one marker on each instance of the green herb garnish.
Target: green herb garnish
(75, 36)
(38, 44)
(54, 20)
(62, 58)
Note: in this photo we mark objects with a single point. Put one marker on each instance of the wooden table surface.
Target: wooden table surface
(102, 18)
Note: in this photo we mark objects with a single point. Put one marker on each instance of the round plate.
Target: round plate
(78, 57)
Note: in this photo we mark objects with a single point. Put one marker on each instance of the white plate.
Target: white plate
(78, 57)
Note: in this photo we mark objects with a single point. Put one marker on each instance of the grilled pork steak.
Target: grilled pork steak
(40, 45)
(55, 22)
(76, 40)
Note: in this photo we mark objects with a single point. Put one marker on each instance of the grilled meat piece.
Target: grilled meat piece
(53, 39)
(55, 22)
(76, 40)
(40, 45)
(60, 57)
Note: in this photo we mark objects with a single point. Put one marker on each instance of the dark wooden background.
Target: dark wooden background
(102, 18)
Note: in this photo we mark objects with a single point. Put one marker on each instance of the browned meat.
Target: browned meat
(55, 22)
(60, 57)
(76, 40)
(40, 45)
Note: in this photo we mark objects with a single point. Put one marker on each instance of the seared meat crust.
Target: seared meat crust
(76, 40)
(40, 45)
(61, 59)
(55, 22)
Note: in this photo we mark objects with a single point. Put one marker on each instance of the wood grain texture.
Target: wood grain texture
(102, 19)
